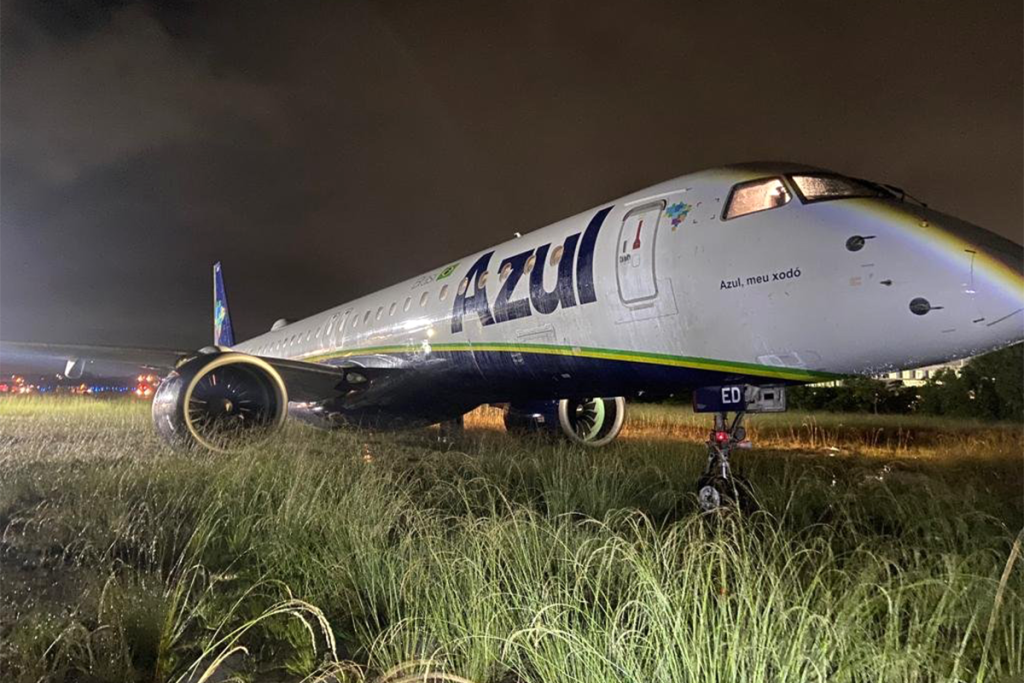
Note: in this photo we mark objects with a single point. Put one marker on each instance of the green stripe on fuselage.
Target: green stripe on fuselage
(711, 364)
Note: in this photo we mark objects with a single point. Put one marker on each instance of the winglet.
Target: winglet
(223, 332)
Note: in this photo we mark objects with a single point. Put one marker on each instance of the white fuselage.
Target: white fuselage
(671, 292)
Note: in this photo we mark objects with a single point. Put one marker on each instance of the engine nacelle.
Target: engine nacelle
(587, 421)
(221, 401)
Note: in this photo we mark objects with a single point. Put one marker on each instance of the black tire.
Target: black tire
(716, 492)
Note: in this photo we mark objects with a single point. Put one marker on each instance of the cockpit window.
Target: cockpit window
(756, 195)
(820, 187)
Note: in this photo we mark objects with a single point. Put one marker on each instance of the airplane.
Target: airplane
(734, 282)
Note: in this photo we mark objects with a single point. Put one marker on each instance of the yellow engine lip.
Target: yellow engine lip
(228, 358)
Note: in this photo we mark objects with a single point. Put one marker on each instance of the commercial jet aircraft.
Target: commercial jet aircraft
(734, 282)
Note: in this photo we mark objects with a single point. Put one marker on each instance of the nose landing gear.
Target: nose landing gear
(719, 486)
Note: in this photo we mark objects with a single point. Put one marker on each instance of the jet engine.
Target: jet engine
(588, 421)
(220, 400)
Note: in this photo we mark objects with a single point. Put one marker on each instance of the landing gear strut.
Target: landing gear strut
(719, 486)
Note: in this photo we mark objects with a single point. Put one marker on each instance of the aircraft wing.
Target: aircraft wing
(367, 382)
(312, 381)
(72, 360)
(371, 390)
(304, 381)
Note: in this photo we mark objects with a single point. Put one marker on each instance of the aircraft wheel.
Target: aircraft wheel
(715, 492)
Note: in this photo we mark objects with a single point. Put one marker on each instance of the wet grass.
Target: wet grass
(381, 557)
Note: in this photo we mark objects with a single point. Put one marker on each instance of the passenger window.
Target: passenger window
(408, 303)
(380, 312)
(394, 307)
(444, 293)
(366, 318)
(757, 195)
(423, 299)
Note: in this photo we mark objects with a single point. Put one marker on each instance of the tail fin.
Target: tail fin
(223, 332)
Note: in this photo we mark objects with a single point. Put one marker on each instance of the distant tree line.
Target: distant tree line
(988, 387)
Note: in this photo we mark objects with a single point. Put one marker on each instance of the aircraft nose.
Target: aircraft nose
(995, 289)
(949, 289)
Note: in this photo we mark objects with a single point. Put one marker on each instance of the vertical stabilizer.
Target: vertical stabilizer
(223, 333)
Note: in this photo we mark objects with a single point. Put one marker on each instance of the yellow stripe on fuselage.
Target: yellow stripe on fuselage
(709, 364)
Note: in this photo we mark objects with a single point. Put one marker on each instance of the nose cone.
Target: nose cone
(997, 282)
(989, 270)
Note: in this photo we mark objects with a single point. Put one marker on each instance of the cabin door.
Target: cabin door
(634, 254)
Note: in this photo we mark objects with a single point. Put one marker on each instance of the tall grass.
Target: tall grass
(881, 434)
(386, 557)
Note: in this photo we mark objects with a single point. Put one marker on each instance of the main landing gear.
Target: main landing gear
(719, 486)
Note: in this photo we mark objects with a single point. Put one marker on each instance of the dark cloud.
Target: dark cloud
(324, 150)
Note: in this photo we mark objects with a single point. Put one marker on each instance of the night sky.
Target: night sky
(325, 150)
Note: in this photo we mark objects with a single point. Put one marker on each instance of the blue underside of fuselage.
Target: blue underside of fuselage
(451, 383)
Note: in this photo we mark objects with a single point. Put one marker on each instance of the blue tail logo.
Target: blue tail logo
(223, 332)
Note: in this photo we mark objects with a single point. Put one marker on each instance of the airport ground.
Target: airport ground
(885, 548)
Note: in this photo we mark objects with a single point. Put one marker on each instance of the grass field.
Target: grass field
(884, 549)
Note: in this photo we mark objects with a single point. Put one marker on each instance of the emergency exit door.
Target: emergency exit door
(634, 257)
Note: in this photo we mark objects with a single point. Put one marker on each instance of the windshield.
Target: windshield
(821, 187)
(756, 195)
